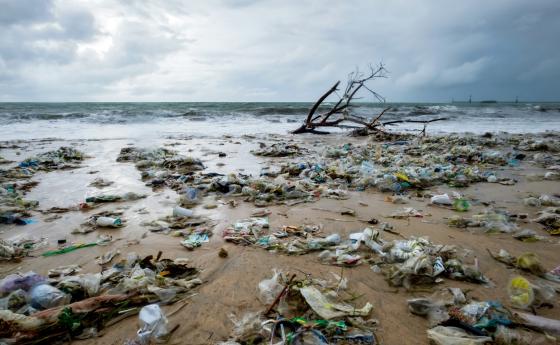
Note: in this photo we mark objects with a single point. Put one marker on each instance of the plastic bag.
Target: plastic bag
(435, 312)
(14, 282)
(190, 197)
(45, 296)
(442, 199)
(441, 335)
(246, 328)
(269, 289)
(521, 294)
(14, 301)
(153, 325)
(530, 262)
(461, 205)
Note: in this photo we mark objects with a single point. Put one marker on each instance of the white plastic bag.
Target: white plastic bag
(442, 199)
(153, 325)
(269, 289)
(45, 296)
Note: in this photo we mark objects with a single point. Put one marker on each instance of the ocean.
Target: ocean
(154, 120)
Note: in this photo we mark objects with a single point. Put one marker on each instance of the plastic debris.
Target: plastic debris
(442, 199)
(441, 335)
(520, 292)
(328, 309)
(269, 289)
(153, 325)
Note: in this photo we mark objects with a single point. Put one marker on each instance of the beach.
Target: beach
(229, 284)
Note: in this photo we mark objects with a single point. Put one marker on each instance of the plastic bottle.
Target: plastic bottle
(179, 211)
(108, 222)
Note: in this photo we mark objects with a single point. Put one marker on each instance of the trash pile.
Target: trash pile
(543, 200)
(417, 261)
(409, 262)
(492, 221)
(305, 311)
(17, 249)
(62, 158)
(195, 230)
(94, 200)
(67, 304)
(455, 319)
(100, 182)
(105, 219)
(14, 208)
(401, 166)
(550, 219)
(158, 164)
(528, 262)
(396, 167)
(278, 150)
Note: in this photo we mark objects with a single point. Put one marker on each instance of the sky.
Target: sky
(277, 50)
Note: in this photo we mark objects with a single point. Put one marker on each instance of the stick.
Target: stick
(277, 299)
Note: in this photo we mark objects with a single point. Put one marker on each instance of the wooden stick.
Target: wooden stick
(277, 299)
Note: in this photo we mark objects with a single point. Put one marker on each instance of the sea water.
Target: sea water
(156, 120)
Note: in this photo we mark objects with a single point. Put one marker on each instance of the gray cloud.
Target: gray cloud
(246, 50)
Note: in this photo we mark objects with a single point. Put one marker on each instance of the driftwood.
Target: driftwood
(339, 113)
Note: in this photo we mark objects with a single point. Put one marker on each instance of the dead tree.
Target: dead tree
(340, 111)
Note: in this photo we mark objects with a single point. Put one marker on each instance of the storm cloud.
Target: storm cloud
(276, 50)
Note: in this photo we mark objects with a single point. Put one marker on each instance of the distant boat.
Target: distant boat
(489, 101)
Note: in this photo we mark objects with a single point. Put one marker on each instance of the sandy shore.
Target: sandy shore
(230, 283)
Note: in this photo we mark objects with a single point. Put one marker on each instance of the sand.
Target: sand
(230, 284)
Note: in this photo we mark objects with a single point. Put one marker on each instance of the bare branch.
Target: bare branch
(341, 110)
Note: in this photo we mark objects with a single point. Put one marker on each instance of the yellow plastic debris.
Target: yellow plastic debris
(402, 177)
(520, 292)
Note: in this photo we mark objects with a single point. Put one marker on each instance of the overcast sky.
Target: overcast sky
(276, 50)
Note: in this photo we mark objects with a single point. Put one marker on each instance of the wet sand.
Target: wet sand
(230, 284)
